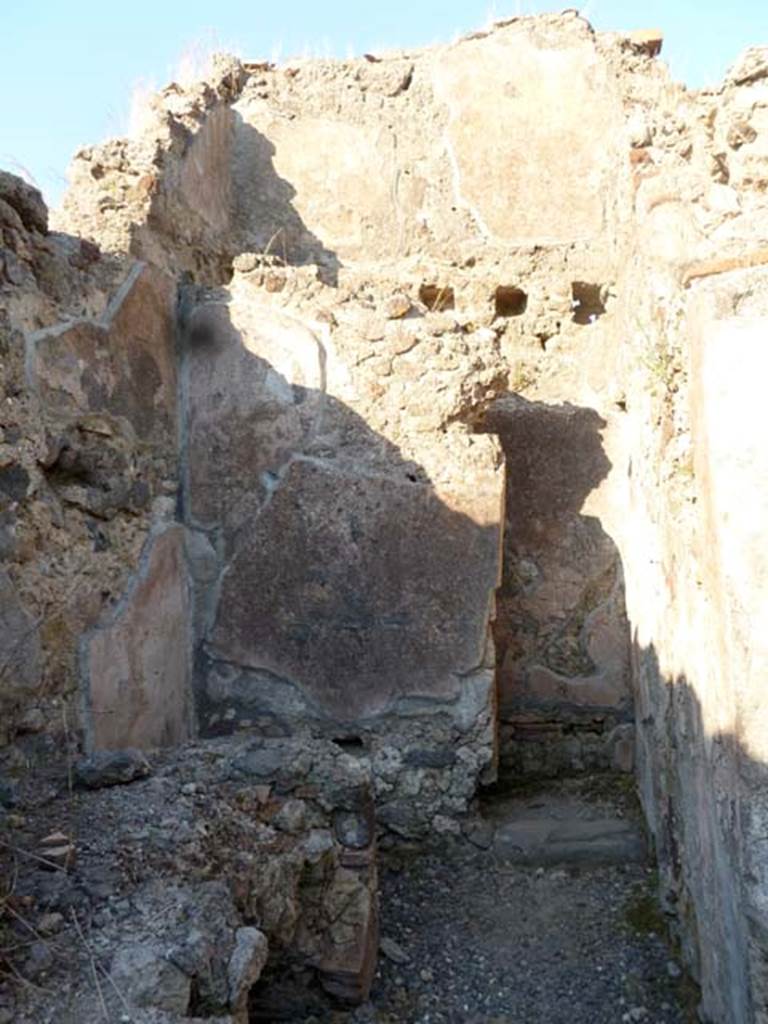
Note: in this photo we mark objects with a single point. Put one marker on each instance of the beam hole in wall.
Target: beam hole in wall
(436, 297)
(510, 301)
(415, 473)
(351, 744)
(588, 305)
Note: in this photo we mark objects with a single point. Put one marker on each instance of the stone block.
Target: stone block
(621, 743)
(751, 66)
(348, 962)
(592, 841)
(244, 969)
(111, 768)
(26, 201)
(648, 40)
(147, 979)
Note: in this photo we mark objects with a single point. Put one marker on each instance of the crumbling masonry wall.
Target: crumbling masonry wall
(404, 331)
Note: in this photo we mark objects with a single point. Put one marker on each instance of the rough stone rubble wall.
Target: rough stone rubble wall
(87, 449)
(340, 545)
(93, 567)
(692, 533)
(164, 195)
(445, 287)
(224, 863)
(439, 177)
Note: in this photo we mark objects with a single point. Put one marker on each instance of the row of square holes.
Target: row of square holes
(510, 301)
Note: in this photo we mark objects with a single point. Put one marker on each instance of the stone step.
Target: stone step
(577, 841)
(585, 821)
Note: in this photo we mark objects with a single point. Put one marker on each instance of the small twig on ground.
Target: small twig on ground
(33, 856)
(11, 972)
(120, 996)
(24, 923)
(92, 962)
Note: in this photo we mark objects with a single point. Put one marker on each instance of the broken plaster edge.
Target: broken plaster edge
(102, 323)
(112, 617)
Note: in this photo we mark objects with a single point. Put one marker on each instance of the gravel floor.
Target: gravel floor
(480, 941)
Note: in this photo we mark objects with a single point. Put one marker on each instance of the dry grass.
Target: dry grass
(192, 64)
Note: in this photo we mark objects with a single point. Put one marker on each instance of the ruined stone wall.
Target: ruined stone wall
(438, 287)
(691, 529)
(436, 330)
(344, 508)
(351, 562)
(87, 453)
(96, 589)
(561, 627)
(164, 195)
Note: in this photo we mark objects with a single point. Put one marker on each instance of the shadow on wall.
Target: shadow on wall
(343, 587)
(704, 800)
(265, 219)
(348, 593)
(562, 638)
(227, 195)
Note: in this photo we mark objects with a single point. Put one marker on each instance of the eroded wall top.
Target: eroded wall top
(506, 138)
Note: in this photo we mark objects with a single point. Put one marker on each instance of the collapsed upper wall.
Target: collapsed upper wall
(482, 145)
(164, 195)
(425, 153)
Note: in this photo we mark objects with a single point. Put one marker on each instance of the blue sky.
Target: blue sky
(68, 69)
